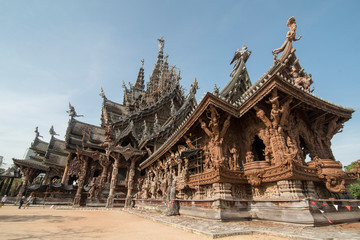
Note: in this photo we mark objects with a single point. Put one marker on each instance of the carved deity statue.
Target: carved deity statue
(216, 135)
(290, 36)
(301, 82)
(234, 159)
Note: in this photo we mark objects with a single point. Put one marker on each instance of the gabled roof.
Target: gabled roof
(112, 111)
(39, 146)
(56, 153)
(79, 132)
(270, 80)
(240, 81)
(31, 164)
(12, 172)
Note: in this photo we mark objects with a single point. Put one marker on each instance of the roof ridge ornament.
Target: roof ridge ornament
(52, 131)
(72, 113)
(290, 37)
(102, 93)
(37, 134)
(239, 56)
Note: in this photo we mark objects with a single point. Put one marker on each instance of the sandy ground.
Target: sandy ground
(46, 223)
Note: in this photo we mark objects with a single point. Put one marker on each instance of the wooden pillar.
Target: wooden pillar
(46, 178)
(65, 175)
(81, 181)
(130, 183)
(110, 200)
(27, 172)
(9, 187)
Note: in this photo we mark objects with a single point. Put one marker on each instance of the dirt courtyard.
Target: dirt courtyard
(47, 223)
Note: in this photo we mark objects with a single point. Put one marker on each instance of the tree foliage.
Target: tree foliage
(354, 188)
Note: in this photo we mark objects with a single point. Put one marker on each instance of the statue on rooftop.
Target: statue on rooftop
(52, 131)
(37, 134)
(72, 112)
(161, 43)
(290, 36)
(239, 56)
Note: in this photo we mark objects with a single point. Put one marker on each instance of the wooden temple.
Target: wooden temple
(249, 151)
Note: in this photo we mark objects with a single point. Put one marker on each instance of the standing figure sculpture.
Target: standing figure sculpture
(290, 36)
(243, 55)
(173, 204)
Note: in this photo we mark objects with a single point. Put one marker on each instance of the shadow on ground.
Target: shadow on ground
(32, 218)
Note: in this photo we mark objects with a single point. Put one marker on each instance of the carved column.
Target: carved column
(222, 191)
(81, 181)
(64, 179)
(110, 200)
(278, 146)
(46, 178)
(104, 162)
(130, 183)
(27, 172)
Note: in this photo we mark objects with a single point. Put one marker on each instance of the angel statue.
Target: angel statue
(238, 56)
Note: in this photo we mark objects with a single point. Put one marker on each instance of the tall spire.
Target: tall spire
(140, 78)
(155, 75)
(164, 75)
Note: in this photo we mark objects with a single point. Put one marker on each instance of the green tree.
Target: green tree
(354, 188)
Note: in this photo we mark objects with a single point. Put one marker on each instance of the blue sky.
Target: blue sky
(53, 52)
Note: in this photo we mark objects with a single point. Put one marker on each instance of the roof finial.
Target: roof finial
(290, 37)
(37, 134)
(72, 113)
(102, 94)
(52, 131)
(239, 57)
(216, 90)
(142, 63)
(194, 87)
(161, 43)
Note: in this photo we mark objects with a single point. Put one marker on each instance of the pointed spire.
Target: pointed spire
(156, 124)
(194, 87)
(145, 131)
(164, 75)
(155, 75)
(140, 78)
(216, 90)
(102, 94)
(52, 131)
(173, 110)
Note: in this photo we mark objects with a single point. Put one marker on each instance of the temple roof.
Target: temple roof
(240, 81)
(112, 111)
(56, 153)
(31, 164)
(39, 146)
(11, 172)
(273, 78)
(83, 134)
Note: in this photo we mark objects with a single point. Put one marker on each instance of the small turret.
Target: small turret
(140, 78)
